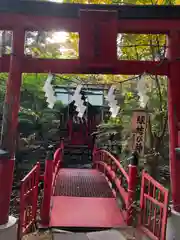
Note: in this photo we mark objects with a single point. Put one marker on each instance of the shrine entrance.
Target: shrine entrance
(81, 129)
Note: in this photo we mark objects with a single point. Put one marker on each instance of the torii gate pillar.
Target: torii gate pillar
(173, 231)
(8, 135)
(174, 114)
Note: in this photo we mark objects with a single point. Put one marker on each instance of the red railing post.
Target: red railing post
(6, 179)
(48, 176)
(21, 212)
(58, 155)
(132, 184)
(35, 190)
(62, 143)
(28, 201)
(94, 156)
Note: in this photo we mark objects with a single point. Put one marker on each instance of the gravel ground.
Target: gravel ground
(38, 236)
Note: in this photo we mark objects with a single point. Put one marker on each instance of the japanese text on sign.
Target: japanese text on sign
(139, 127)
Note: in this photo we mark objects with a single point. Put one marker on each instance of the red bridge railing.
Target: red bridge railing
(122, 182)
(58, 155)
(154, 208)
(51, 170)
(28, 201)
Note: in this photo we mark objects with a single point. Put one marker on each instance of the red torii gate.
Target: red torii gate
(98, 26)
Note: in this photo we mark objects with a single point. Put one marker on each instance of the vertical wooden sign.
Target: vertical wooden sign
(139, 125)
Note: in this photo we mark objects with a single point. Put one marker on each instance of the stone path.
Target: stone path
(127, 233)
(119, 234)
(103, 235)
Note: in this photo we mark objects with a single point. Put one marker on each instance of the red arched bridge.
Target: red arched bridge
(99, 198)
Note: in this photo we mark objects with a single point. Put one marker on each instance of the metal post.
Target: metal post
(9, 125)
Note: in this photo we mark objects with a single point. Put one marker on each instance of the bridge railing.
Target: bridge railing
(53, 163)
(28, 201)
(58, 155)
(122, 183)
(154, 208)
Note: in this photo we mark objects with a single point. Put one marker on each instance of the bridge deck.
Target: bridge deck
(82, 183)
(83, 199)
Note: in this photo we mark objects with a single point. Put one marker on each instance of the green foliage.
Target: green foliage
(109, 135)
(34, 116)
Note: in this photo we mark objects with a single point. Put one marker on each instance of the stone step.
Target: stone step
(125, 233)
(102, 235)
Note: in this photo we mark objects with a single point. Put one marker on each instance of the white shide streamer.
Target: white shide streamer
(142, 91)
(112, 102)
(49, 91)
(79, 103)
